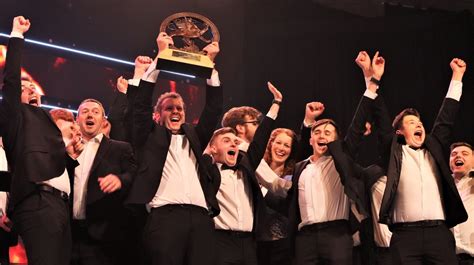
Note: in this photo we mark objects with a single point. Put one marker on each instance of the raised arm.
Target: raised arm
(373, 72)
(312, 112)
(214, 99)
(258, 145)
(121, 109)
(447, 114)
(12, 71)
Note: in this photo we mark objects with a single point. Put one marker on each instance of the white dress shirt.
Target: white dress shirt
(270, 181)
(180, 181)
(464, 232)
(382, 234)
(321, 195)
(81, 176)
(418, 194)
(235, 200)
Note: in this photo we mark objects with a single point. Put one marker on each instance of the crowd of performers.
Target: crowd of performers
(142, 186)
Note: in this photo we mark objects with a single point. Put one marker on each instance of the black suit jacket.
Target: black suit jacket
(247, 163)
(106, 217)
(151, 142)
(33, 143)
(437, 143)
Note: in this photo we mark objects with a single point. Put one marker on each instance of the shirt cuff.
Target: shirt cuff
(455, 90)
(16, 34)
(134, 82)
(272, 116)
(152, 73)
(370, 94)
(367, 81)
(307, 125)
(214, 80)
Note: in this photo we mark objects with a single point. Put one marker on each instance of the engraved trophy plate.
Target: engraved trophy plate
(191, 32)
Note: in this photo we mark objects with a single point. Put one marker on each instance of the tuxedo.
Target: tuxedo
(151, 142)
(232, 244)
(36, 152)
(105, 229)
(434, 235)
(186, 229)
(436, 143)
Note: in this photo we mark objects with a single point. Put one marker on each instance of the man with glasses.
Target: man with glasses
(244, 120)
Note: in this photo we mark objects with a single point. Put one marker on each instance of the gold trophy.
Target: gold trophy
(191, 32)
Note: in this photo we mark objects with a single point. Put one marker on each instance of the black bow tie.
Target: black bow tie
(234, 167)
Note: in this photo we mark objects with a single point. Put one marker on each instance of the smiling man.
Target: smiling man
(461, 162)
(171, 181)
(326, 184)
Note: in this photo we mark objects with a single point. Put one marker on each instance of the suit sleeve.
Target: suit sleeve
(356, 130)
(384, 129)
(116, 116)
(304, 148)
(142, 114)
(444, 123)
(258, 146)
(121, 115)
(210, 115)
(12, 81)
(128, 164)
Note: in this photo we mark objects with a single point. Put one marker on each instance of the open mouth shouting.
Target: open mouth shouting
(418, 135)
(321, 146)
(90, 124)
(458, 163)
(174, 122)
(33, 100)
(175, 118)
(231, 156)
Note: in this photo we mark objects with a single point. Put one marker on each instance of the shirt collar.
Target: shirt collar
(97, 138)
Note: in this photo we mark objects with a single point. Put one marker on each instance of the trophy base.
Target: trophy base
(185, 63)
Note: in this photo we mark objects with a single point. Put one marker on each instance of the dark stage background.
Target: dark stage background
(305, 49)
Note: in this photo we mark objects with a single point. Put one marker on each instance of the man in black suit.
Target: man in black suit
(325, 183)
(242, 207)
(420, 201)
(101, 183)
(170, 179)
(38, 158)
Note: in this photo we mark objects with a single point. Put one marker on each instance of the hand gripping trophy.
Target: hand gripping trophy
(190, 33)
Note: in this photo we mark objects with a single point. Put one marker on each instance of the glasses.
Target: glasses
(255, 122)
